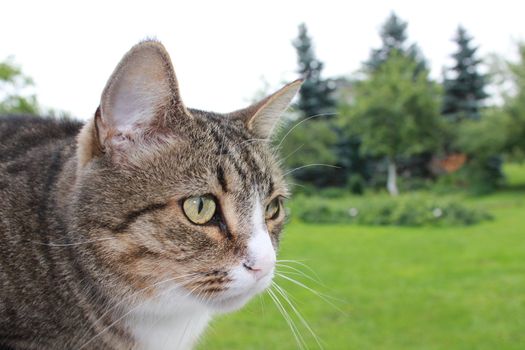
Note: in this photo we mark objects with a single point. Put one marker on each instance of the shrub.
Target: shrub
(407, 211)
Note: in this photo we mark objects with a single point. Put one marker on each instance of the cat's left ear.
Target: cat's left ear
(262, 117)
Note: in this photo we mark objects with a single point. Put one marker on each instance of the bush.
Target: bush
(407, 211)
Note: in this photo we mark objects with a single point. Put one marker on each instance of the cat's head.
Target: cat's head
(183, 203)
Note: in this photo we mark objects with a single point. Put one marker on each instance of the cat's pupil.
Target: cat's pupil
(201, 205)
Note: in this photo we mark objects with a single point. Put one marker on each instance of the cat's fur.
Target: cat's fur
(95, 250)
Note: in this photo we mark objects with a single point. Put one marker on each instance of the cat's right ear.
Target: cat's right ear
(138, 103)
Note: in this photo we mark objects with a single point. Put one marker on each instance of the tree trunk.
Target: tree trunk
(391, 184)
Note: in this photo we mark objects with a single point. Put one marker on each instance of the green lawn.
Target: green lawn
(400, 288)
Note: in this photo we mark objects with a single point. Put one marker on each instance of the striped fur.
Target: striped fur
(89, 232)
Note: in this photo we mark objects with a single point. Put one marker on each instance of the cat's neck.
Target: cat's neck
(176, 325)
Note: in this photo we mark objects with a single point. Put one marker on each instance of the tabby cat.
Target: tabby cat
(133, 230)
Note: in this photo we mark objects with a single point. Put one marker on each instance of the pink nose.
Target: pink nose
(260, 267)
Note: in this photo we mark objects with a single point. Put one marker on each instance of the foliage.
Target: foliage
(304, 145)
(315, 141)
(465, 91)
(483, 140)
(413, 210)
(315, 96)
(395, 111)
(394, 41)
(13, 87)
(514, 108)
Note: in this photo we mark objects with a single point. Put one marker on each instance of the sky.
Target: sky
(222, 50)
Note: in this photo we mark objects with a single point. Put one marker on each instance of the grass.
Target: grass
(400, 288)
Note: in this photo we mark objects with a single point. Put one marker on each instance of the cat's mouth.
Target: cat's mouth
(238, 292)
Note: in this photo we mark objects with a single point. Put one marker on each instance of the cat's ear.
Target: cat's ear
(140, 97)
(262, 117)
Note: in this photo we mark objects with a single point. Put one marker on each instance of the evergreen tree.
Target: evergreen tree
(315, 96)
(313, 142)
(394, 39)
(465, 91)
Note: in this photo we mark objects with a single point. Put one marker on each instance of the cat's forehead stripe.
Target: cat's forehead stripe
(222, 179)
(232, 144)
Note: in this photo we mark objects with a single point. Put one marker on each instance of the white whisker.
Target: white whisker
(298, 314)
(309, 165)
(295, 331)
(128, 298)
(323, 296)
(302, 121)
(300, 273)
(291, 153)
(52, 244)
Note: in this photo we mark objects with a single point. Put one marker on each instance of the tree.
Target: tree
(514, 106)
(396, 112)
(394, 39)
(13, 90)
(315, 96)
(483, 141)
(310, 148)
(465, 90)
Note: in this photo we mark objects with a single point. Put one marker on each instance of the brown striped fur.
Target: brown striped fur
(91, 218)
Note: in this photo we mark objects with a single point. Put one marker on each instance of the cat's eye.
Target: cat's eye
(272, 209)
(199, 209)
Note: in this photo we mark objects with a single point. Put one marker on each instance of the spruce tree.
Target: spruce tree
(394, 39)
(315, 139)
(315, 96)
(465, 90)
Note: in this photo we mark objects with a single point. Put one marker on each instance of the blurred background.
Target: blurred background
(404, 150)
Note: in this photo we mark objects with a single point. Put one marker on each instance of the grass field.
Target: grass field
(399, 288)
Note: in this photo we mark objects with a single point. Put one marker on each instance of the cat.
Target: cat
(133, 230)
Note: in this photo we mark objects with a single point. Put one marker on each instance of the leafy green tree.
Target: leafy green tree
(396, 113)
(514, 107)
(315, 96)
(13, 87)
(394, 40)
(465, 90)
(483, 141)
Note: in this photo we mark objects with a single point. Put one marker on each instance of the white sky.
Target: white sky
(221, 49)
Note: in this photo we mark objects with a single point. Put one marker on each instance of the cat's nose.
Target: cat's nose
(261, 266)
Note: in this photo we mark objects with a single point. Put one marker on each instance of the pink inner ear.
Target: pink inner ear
(142, 85)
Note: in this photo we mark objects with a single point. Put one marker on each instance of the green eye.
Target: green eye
(272, 209)
(199, 209)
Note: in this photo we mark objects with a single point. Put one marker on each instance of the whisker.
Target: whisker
(128, 298)
(301, 263)
(122, 317)
(298, 272)
(298, 314)
(310, 165)
(323, 296)
(295, 331)
(291, 153)
(302, 121)
(252, 140)
(52, 244)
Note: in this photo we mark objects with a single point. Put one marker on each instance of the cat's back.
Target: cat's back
(23, 136)
(33, 151)
(33, 154)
